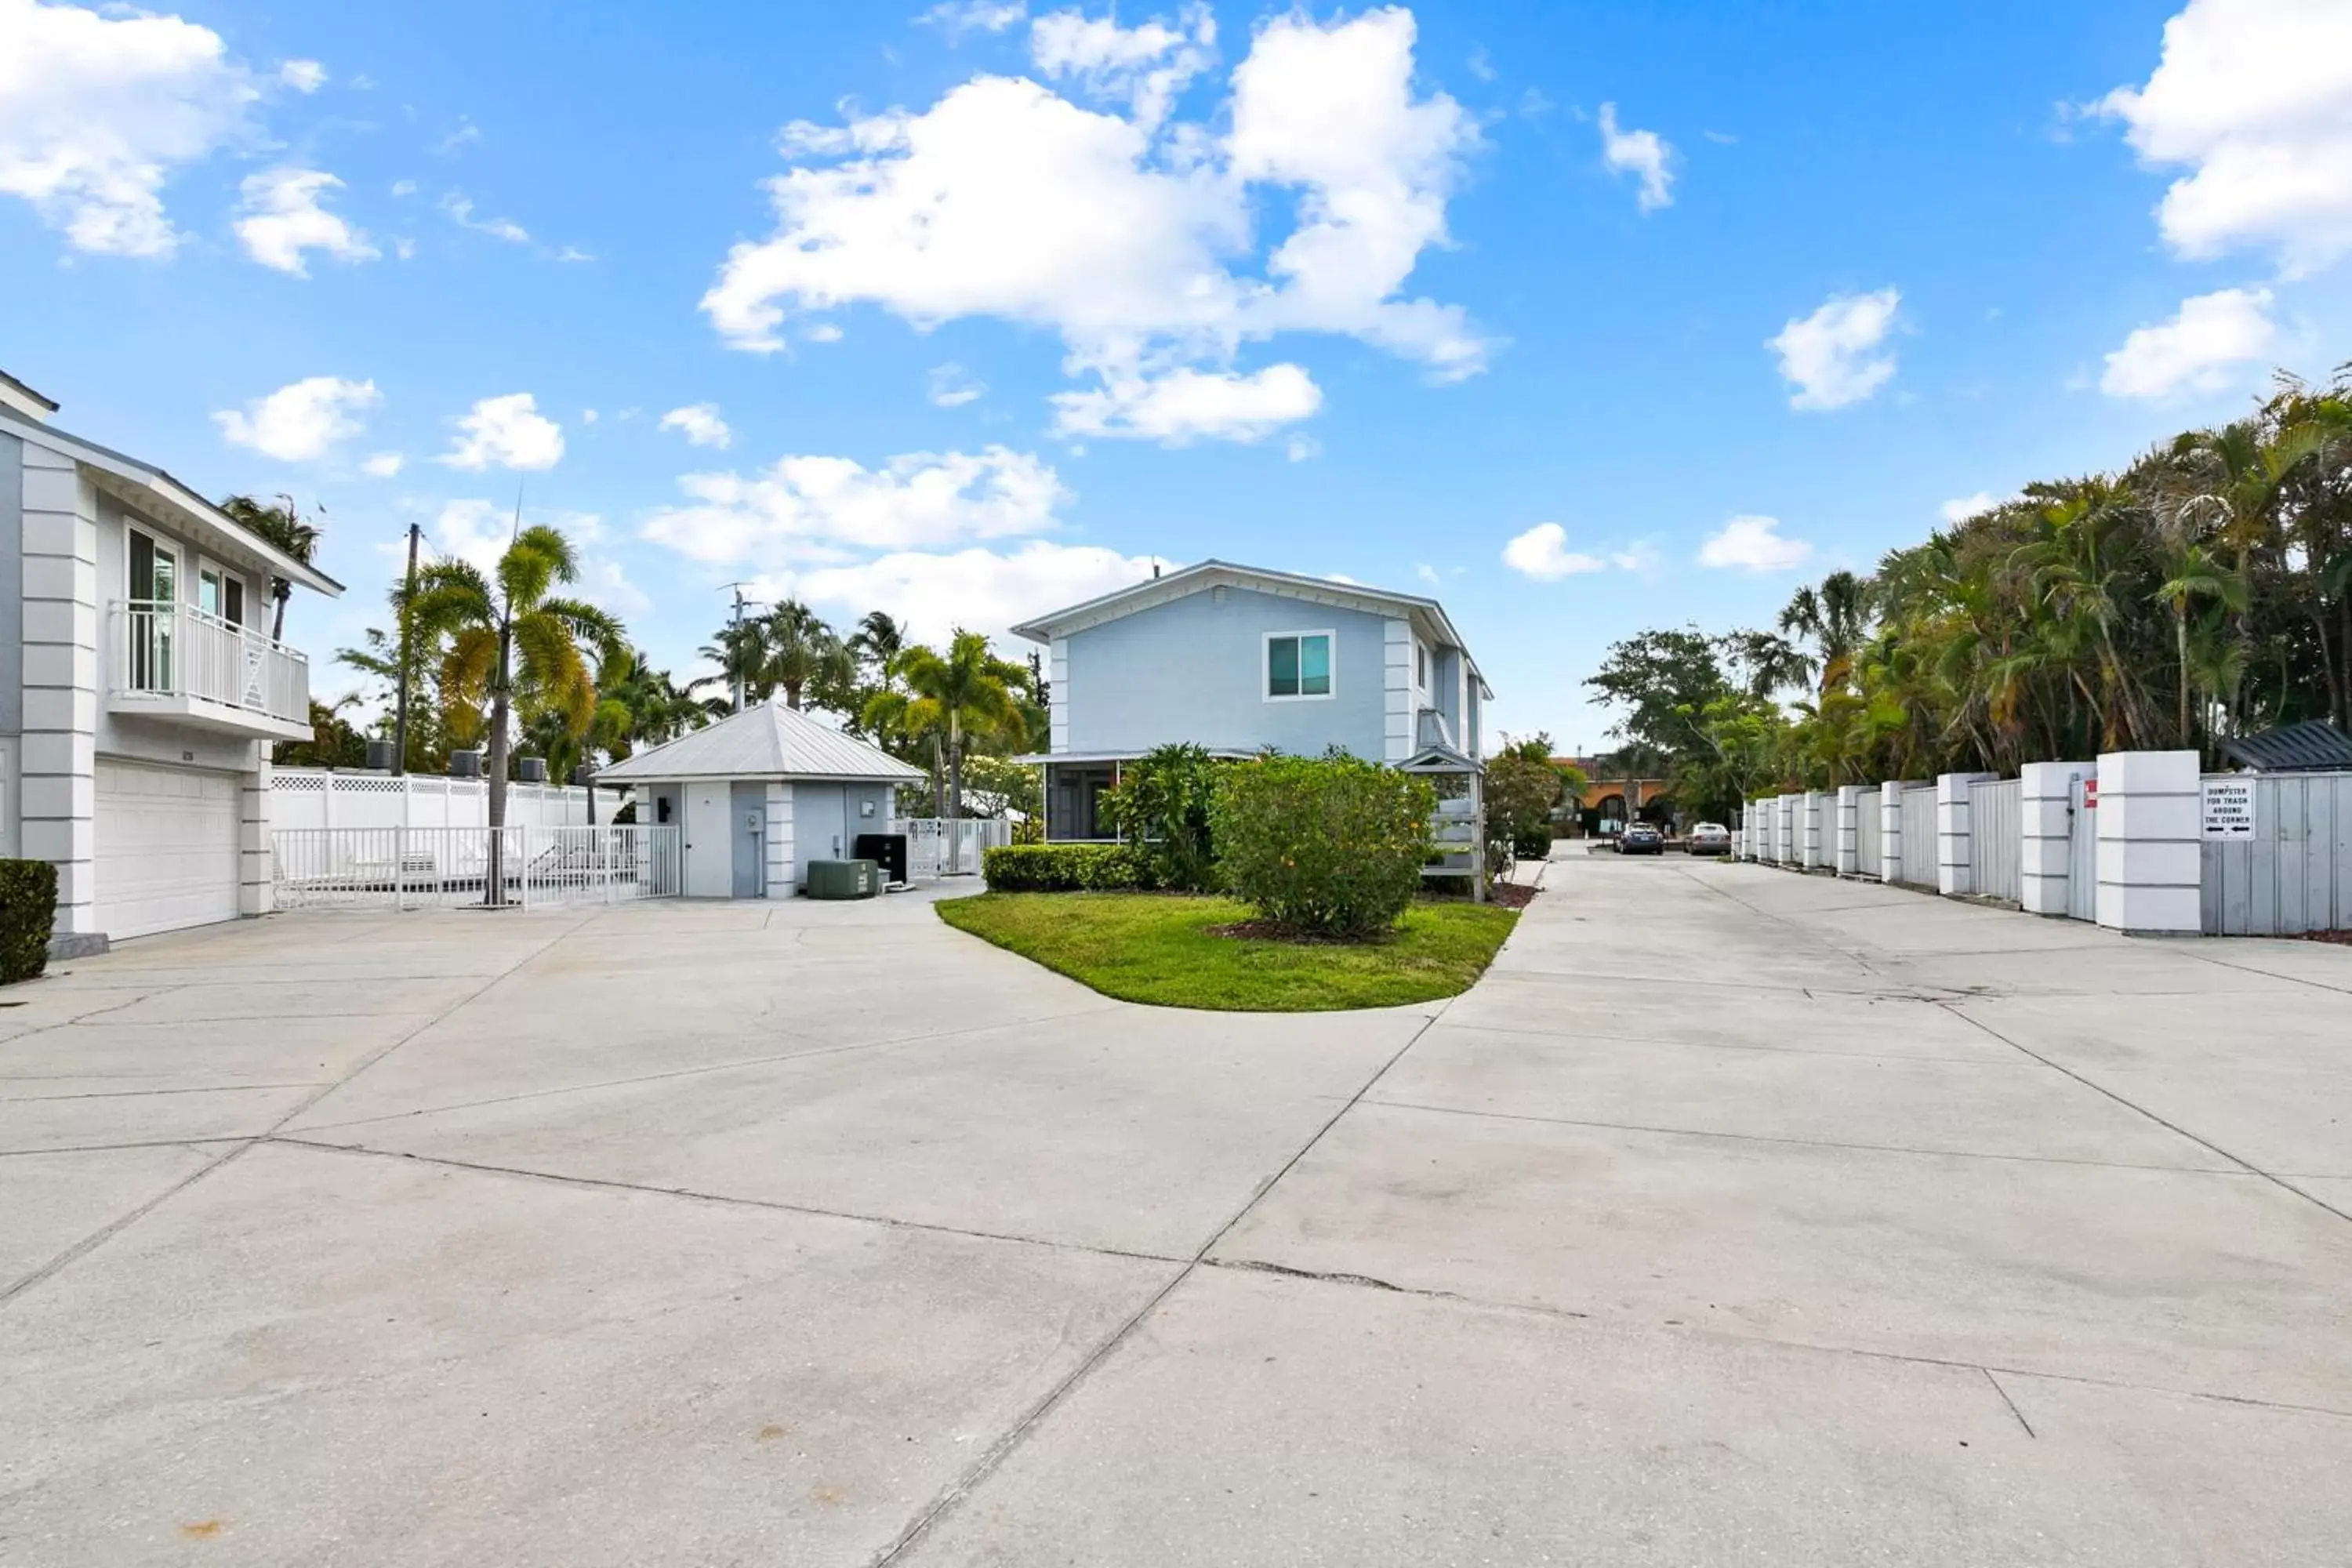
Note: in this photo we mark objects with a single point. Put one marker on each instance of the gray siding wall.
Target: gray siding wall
(12, 586)
(1193, 670)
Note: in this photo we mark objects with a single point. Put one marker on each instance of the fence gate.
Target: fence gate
(1919, 835)
(1996, 839)
(2295, 875)
(2082, 854)
(417, 867)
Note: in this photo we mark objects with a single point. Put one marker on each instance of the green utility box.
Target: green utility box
(844, 880)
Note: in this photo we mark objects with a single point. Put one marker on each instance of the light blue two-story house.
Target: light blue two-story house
(1239, 661)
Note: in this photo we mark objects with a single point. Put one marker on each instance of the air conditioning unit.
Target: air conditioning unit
(583, 774)
(466, 764)
(531, 770)
(380, 756)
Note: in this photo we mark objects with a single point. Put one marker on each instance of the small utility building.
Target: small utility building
(758, 796)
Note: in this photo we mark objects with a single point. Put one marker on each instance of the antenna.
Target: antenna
(516, 532)
(736, 619)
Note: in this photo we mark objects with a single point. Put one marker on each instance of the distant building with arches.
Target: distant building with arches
(1603, 801)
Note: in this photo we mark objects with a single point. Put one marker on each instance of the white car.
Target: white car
(1709, 838)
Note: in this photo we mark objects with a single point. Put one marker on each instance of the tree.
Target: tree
(804, 656)
(963, 693)
(334, 742)
(510, 638)
(1659, 680)
(1521, 788)
(281, 525)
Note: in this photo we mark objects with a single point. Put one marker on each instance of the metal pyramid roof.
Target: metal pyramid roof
(767, 742)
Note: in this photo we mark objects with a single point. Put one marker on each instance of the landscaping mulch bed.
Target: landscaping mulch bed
(1514, 895)
(2341, 938)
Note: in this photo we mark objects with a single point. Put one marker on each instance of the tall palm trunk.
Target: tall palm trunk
(2181, 636)
(955, 766)
(281, 591)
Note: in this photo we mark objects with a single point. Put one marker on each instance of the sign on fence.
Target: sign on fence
(2229, 808)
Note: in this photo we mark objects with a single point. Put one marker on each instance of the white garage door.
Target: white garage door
(166, 848)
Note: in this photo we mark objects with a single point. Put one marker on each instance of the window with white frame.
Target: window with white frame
(1297, 664)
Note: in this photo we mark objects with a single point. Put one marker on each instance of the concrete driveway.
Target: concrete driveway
(1736, 1217)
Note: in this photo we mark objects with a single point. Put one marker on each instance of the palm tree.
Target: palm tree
(282, 526)
(803, 652)
(513, 639)
(739, 648)
(2197, 576)
(964, 693)
(1836, 617)
(878, 641)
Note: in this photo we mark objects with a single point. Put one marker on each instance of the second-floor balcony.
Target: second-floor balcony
(175, 662)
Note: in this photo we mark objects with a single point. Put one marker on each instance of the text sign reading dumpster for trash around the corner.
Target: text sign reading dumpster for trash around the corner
(2229, 808)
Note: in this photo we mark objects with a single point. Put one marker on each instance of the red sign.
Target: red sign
(2090, 794)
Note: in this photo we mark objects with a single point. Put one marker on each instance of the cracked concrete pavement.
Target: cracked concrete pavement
(1735, 1216)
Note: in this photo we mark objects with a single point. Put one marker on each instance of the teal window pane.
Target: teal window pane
(1315, 667)
(1282, 666)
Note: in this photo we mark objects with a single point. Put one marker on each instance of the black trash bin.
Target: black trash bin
(887, 850)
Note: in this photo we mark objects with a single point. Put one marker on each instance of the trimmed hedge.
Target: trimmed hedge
(28, 911)
(1064, 869)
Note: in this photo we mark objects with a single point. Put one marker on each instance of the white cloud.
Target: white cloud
(1543, 553)
(508, 432)
(1133, 240)
(1301, 448)
(805, 509)
(977, 589)
(98, 109)
(823, 332)
(304, 77)
(951, 385)
(957, 18)
(404, 187)
(2197, 350)
(1830, 356)
(2255, 98)
(382, 464)
(605, 583)
(477, 532)
(1424, 571)
(1146, 66)
(1185, 406)
(1959, 508)
(282, 219)
(460, 209)
(301, 421)
(1641, 556)
(699, 424)
(1754, 544)
(1642, 153)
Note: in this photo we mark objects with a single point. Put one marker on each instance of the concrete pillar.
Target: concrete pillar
(2150, 862)
(1890, 829)
(782, 858)
(252, 846)
(59, 794)
(2046, 792)
(1814, 809)
(1849, 830)
(1952, 868)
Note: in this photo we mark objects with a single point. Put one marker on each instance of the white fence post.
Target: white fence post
(1849, 830)
(1952, 872)
(2046, 819)
(1810, 806)
(2150, 852)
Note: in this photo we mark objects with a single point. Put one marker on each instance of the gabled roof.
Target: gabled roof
(1205, 574)
(146, 485)
(771, 741)
(2313, 745)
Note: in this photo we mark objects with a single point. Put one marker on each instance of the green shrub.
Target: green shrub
(1063, 869)
(1160, 807)
(1327, 846)
(28, 909)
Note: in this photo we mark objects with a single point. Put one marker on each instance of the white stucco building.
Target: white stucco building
(140, 688)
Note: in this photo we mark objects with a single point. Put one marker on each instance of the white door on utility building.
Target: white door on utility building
(166, 850)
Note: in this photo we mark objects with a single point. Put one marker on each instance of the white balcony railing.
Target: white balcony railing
(180, 653)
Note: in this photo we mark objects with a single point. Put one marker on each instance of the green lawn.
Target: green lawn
(1156, 948)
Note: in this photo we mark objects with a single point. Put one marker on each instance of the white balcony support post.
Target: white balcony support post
(2150, 859)
(2045, 793)
(1849, 830)
(1953, 872)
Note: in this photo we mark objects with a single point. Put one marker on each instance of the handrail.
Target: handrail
(170, 648)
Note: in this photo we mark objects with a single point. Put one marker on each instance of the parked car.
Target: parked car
(1709, 838)
(1641, 838)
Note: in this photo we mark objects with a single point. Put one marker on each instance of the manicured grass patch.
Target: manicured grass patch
(1157, 948)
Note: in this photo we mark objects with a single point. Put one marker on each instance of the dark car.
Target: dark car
(1641, 839)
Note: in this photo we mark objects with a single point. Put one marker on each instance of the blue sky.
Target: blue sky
(1584, 318)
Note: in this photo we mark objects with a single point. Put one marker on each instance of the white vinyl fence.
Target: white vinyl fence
(318, 797)
(1869, 835)
(418, 868)
(1918, 866)
(949, 846)
(2081, 853)
(1996, 838)
(2295, 875)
